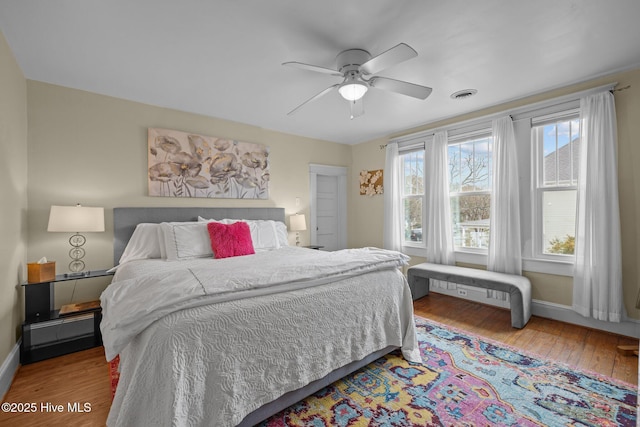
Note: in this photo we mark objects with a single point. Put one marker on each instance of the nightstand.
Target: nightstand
(46, 333)
(316, 247)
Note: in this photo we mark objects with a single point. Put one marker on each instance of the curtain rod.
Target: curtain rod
(430, 133)
(512, 111)
(621, 89)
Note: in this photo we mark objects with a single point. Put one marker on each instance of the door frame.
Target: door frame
(341, 172)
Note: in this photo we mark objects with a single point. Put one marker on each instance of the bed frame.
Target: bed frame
(124, 223)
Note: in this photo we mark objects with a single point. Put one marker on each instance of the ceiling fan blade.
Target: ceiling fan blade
(315, 68)
(313, 98)
(393, 56)
(398, 86)
(356, 108)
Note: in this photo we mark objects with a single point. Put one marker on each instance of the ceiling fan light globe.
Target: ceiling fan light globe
(353, 91)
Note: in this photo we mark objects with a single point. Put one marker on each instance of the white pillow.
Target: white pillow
(265, 234)
(221, 221)
(282, 233)
(143, 244)
(163, 249)
(185, 240)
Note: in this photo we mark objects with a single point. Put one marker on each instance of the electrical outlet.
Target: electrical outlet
(462, 292)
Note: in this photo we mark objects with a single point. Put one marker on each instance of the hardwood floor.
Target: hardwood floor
(579, 347)
(83, 377)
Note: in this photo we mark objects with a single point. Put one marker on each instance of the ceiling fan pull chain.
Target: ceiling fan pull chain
(356, 108)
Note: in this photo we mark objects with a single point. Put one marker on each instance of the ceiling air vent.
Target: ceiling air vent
(463, 94)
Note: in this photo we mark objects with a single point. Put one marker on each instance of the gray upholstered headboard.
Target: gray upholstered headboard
(126, 219)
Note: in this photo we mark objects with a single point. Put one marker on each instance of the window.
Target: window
(470, 191)
(413, 195)
(556, 165)
(547, 138)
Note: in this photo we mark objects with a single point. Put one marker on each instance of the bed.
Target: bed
(232, 341)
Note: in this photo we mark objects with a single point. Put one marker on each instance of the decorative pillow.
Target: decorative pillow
(229, 240)
(143, 244)
(185, 240)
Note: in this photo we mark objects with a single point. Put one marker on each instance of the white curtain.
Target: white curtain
(392, 181)
(505, 251)
(597, 279)
(439, 235)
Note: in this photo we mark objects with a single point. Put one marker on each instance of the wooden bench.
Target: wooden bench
(518, 287)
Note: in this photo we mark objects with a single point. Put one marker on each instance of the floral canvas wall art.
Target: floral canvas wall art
(183, 164)
(371, 182)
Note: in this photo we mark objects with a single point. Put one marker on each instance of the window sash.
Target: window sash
(467, 237)
(408, 227)
(408, 188)
(411, 229)
(538, 161)
(471, 234)
(542, 188)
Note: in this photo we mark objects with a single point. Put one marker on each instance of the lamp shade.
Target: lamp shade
(76, 219)
(297, 222)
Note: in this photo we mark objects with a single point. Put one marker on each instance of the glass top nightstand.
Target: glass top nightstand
(46, 333)
(317, 247)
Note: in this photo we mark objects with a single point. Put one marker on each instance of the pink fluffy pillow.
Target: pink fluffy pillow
(228, 240)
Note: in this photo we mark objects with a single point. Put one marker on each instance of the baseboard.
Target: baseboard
(564, 313)
(548, 310)
(8, 369)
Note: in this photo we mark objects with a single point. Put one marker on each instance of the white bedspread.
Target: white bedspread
(194, 351)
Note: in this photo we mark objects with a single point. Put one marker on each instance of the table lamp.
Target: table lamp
(297, 223)
(76, 219)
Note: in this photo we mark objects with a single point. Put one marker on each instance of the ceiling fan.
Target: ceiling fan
(356, 67)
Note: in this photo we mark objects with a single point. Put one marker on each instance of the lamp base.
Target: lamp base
(76, 253)
(297, 239)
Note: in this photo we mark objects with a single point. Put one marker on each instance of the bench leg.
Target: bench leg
(419, 286)
(518, 319)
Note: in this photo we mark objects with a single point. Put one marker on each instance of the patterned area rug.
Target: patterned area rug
(114, 375)
(464, 380)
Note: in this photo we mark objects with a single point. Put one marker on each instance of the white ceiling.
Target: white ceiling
(223, 58)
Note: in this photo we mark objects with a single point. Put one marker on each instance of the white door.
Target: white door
(327, 212)
(328, 216)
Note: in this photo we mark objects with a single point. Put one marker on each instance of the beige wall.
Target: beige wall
(92, 149)
(367, 213)
(13, 194)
